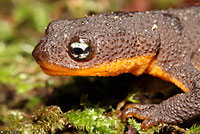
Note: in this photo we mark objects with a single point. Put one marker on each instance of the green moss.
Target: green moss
(133, 96)
(137, 126)
(195, 129)
(161, 128)
(33, 101)
(45, 120)
(90, 120)
(134, 124)
(49, 119)
(93, 120)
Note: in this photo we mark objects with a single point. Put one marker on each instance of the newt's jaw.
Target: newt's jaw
(135, 65)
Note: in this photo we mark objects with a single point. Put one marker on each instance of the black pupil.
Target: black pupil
(78, 51)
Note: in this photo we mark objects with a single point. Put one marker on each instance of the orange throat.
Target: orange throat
(157, 71)
(136, 65)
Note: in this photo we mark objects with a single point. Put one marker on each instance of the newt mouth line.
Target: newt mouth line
(56, 70)
(135, 65)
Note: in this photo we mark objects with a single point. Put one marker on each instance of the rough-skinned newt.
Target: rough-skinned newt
(165, 44)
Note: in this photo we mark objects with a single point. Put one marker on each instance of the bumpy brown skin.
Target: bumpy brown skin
(165, 43)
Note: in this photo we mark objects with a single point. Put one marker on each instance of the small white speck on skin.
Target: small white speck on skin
(115, 17)
(154, 21)
(189, 11)
(180, 14)
(185, 18)
(154, 27)
(65, 36)
(55, 35)
(199, 50)
(82, 40)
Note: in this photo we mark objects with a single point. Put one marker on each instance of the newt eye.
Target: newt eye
(80, 51)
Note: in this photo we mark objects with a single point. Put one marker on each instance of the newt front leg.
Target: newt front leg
(175, 110)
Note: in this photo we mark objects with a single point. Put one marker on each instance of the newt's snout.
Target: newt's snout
(37, 53)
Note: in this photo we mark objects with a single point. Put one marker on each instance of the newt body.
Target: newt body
(164, 43)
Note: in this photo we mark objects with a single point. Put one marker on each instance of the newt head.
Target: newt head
(94, 46)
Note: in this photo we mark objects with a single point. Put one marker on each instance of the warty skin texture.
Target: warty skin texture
(165, 44)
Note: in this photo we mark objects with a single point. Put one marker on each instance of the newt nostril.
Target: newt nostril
(37, 54)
